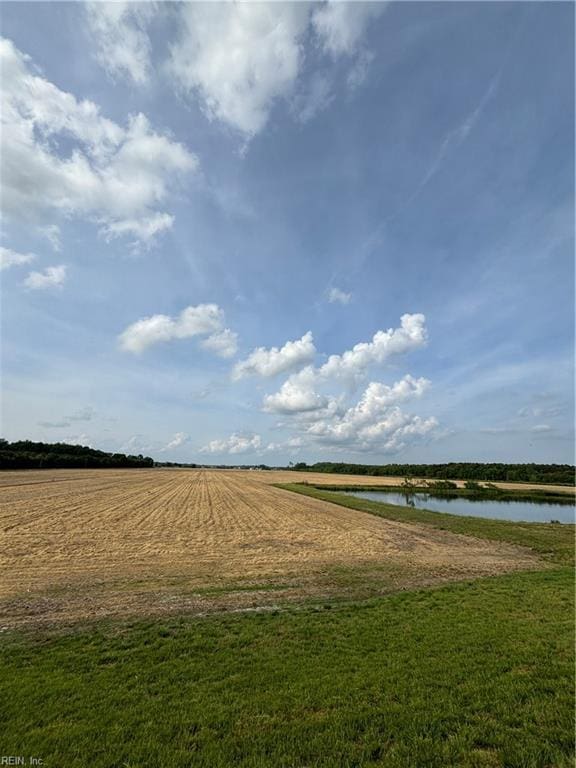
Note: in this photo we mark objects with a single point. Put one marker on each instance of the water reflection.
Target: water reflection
(520, 511)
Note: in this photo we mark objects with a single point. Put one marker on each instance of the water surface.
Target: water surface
(520, 511)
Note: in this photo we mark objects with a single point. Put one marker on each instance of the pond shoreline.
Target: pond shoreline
(488, 494)
(512, 509)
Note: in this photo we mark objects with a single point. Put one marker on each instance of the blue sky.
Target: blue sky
(268, 232)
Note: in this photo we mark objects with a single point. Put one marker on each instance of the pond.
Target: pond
(520, 511)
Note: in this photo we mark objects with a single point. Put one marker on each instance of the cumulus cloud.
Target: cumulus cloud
(236, 443)
(340, 25)
(354, 362)
(51, 277)
(179, 439)
(112, 175)
(271, 362)
(321, 417)
(119, 30)
(375, 421)
(10, 258)
(201, 320)
(316, 400)
(338, 296)
(300, 392)
(239, 58)
(82, 439)
(223, 344)
(297, 395)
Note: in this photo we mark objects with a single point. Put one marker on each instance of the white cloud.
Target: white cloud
(354, 362)
(340, 25)
(297, 395)
(541, 428)
(321, 418)
(292, 443)
(375, 421)
(179, 439)
(113, 176)
(224, 343)
(200, 320)
(236, 443)
(51, 277)
(10, 258)
(336, 295)
(239, 58)
(137, 444)
(82, 439)
(144, 230)
(52, 233)
(270, 362)
(120, 32)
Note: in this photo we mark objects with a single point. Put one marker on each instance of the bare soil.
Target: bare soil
(78, 545)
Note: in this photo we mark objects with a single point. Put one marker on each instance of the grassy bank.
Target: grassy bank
(552, 541)
(476, 674)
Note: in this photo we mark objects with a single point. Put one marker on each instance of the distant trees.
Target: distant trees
(25, 454)
(556, 474)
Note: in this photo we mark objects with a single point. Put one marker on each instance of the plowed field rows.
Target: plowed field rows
(68, 532)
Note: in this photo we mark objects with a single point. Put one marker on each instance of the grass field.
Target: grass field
(476, 674)
(386, 636)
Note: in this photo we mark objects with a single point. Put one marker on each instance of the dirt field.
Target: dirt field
(81, 544)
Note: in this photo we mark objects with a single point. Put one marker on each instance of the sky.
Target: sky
(264, 232)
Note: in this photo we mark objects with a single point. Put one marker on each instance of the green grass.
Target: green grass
(552, 541)
(474, 674)
(470, 675)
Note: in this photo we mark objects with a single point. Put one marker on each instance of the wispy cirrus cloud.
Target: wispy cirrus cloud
(337, 296)
(119, 30)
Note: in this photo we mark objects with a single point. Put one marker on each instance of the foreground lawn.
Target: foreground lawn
(552, 541)
(474, 674)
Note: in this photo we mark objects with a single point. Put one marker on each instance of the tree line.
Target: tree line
(25, 454)
(557, 474)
